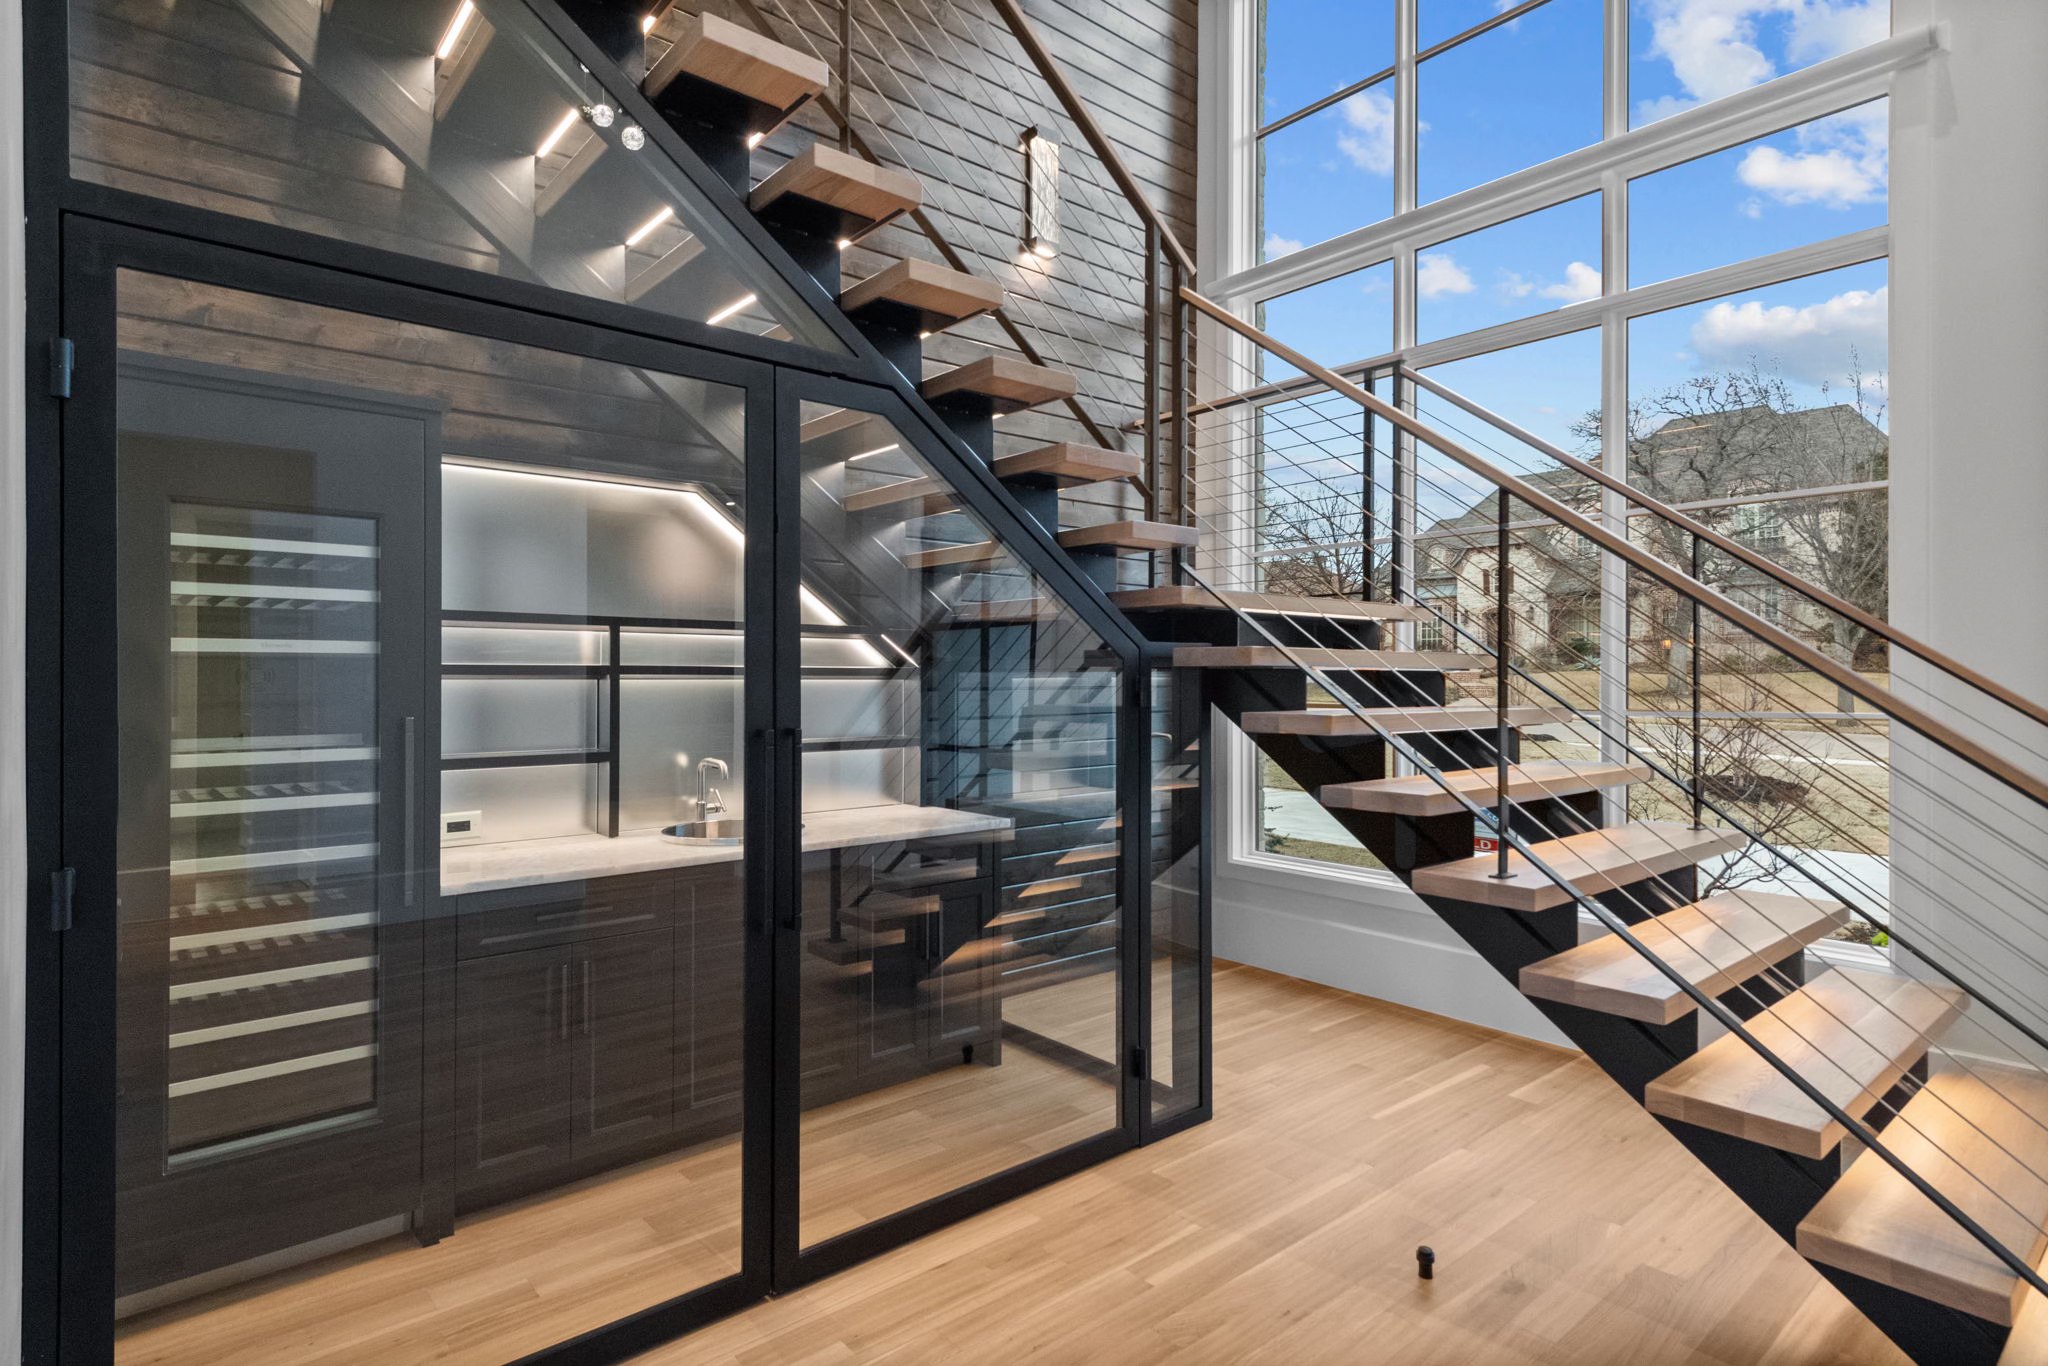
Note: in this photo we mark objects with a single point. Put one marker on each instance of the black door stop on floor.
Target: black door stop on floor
(1425, 1263)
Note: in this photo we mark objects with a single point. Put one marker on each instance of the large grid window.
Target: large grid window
(1463, 190)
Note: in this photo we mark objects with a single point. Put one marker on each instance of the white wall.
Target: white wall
(1969, 506)
(1377, 940)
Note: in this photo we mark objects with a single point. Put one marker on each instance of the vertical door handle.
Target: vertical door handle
(412, 834)
(791, 789)
(586, 998)
(565, 1002)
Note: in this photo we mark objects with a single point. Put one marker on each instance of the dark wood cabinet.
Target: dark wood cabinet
(623, 1031)
(598, 1022)
(514, 1072)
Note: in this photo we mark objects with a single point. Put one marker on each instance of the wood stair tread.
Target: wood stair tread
(865, 192)
(1009, 383)
(1979, 1140)
(1850, 1032)
(1315, 656)
(1130, 535)
(1421, 795)
(2028, 1345)
(1593, 861)
(1168, 597)
(1716, 943)
(723, 53)
(973, 552)
(939, 295)
(1339, 722)
(1067, 463)
(930, 492)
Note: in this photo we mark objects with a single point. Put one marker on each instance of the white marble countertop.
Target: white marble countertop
(565, 858)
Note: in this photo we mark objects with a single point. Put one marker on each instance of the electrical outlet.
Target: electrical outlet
(462, 827)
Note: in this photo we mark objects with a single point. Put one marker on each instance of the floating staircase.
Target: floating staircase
(1860, 1037)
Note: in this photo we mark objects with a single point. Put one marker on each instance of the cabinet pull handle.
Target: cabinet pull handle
(412, 834)
(586, 998)
(565, 1002)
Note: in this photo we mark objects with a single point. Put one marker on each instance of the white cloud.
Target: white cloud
(1278, 246)
(1369, 141)
(1436, 275)
(1834, 178)
(1836, 162)
(1581, 282)
(1715, 47)
(1816, 344)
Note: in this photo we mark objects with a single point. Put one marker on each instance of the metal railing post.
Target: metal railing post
(1149, 391)
(846, 74)
(1367, 503)
(1697, 777)
(1180, 447)
(1503, 646)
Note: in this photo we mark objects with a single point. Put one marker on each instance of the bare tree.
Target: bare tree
(1315, 542)
(1744, 433)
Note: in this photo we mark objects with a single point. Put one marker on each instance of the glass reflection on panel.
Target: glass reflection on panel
(425, 639)
(458, 131)
(960, 905)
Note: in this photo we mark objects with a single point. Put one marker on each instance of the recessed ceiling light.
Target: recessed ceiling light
(736, 306)
(463, 15)
(561, 130)
(640, 233)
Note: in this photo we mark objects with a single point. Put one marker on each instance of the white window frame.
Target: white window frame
(1228, 248)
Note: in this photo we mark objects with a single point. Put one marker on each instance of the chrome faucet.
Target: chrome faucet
(709, 803)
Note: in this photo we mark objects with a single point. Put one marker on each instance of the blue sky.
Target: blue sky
(1530, 90)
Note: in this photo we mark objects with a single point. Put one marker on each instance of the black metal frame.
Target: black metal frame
(78, 235)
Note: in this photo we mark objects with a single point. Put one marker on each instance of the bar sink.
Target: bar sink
(720, 830)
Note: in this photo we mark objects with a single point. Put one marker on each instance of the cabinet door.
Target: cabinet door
(625, 1042)
(513, 1073)
(711, 992)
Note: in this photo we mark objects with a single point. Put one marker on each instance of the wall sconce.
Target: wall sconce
(1041, 194)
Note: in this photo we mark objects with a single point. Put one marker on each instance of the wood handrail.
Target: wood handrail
(1763, 564)
(1848, 680)
(1104, 150)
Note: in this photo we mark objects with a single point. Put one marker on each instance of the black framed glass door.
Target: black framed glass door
(571, 831)
(412, 983)
(951, 984)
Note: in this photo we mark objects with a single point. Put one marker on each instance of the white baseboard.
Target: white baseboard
(1364, 944)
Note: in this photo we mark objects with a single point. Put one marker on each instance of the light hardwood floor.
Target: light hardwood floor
(1570, 1229)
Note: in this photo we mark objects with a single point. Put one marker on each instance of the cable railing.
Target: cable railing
(1251, 435)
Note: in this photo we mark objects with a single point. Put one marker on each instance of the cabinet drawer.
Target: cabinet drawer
(561, 912)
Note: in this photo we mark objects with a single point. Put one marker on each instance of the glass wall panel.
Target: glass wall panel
(1684, 53)
(1809, 183)
(1765, 412)
(429, 1033)
(1514, 96)
(1542, 261)
(1328, 173)
(460, 131)
(961, 913)
(1178, 717)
